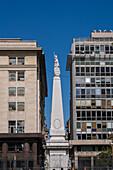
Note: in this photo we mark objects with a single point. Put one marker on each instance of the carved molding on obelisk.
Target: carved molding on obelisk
(56, 66)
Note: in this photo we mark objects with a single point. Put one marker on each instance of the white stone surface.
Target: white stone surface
(57, 148)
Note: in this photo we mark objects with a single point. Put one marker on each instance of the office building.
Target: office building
(23, 88)
(90, 63)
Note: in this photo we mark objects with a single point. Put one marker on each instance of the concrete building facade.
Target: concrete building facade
(23, 88)
(90, 63)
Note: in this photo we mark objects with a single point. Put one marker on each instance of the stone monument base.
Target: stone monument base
(57, 155)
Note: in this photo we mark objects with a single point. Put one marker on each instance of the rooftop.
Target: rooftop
(97, 36)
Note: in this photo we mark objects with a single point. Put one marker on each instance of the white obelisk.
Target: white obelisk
(57, 119)
(57, 148)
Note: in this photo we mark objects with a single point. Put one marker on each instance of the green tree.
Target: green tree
(104, 159)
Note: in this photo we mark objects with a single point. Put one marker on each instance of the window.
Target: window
(87, 91)
(21, 60)
(87, 80)
(20, 76)
(78, 114)
(82, 48)
(102, 69)
(107, 49)
(92, 69)
(20, 106)
(87, 69)
(88, 125)
(107, 69)
(12, 60)
(93, 102)
(77, 48)
(97, 69)
(12, 126)
(99, 126)
(12, 106)
(102, 48)
(11, 147)
(19, 147)
(93, 91)
(78, 80)
(82, 91)
(77, 69)
(20, 126)
(98, 91)
(12, 76)
(82, 102)
(88, 102)
(97, 80)
(92, 47)
(78, 137)
(78, 125)
(107, 91)
(12, 91)
(77, 102)
(77, 91)
(87, 49)
(98, 102)
(108, 125)
(102, 91)
(82, 69)
(20, 91)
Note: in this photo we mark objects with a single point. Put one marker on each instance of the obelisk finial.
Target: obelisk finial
(56, 66)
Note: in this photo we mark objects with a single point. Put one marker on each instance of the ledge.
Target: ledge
(21, 135)
(90, 142)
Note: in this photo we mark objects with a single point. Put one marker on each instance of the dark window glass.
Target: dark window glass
(111, 69)
(107, 69)
(92, 69)
(82, 91)
(20, 91)
(21, 61)
(102, 69)
(12, 76)
(82, 48)
(102, 91)
(107, 48)
(12, 61)
(77, 47)
(107, 91)
(99, 126)
(20, 76)
(97, 69)
(20, 106)
(12, 106)
(77, 69)
(78, 114)
(12, 91)
(92, 80)
(87, 69)
(92, 47)
(82, 69)
(77, 91)
(87, 47)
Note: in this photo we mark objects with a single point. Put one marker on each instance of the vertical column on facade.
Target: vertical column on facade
(34, 155)
(27, 149)
(76, 161)
(4, 155)
(92, 163)
(74, 98)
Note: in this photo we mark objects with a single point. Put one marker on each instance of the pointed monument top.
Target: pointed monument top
(57, 118)
(56, 66)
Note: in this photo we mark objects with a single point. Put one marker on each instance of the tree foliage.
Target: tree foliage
(104, 159)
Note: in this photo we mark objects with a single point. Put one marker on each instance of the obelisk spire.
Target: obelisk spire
(57, 118)
(56, 66)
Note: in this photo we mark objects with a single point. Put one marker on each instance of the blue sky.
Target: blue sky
(53, 24)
